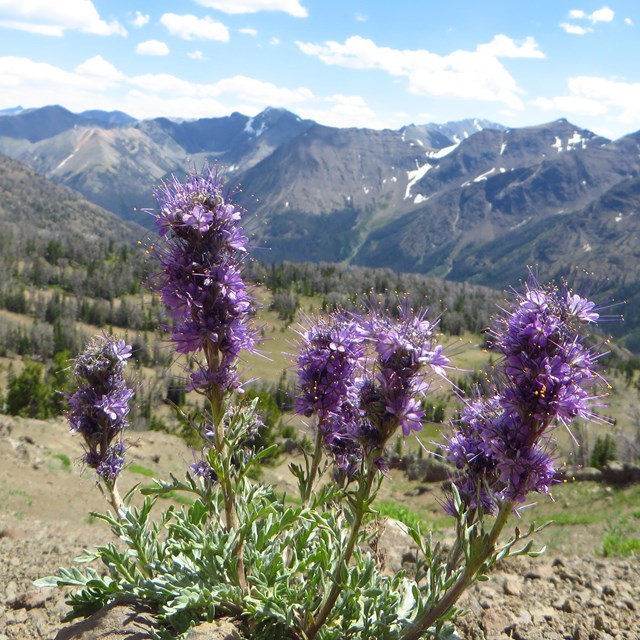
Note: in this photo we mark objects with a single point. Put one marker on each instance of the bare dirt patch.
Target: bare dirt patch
(569, 594)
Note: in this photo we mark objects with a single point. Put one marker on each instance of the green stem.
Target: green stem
(113, 496)
(215, 396)
(432, 615)
(362, 499)
(315, 464)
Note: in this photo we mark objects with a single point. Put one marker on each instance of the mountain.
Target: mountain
(39, 124)
(31, 203)
(11, 111)
(116, 118)
(469, 200)
(116, 161)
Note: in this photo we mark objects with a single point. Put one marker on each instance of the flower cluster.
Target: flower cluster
(361, 396)
(330, 363)
(201, 249)
(502, 445)
(403, 347)
(99, 408)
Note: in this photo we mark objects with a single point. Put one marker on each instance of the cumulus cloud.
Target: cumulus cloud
(604, 14)
(140, 19)
(97, 81)
(152, 48)
(196, 55)
(292, 7)
(100, 69)
(572, 105)
(575, 29)
(597, 96)
(504, 47)
(189, 27)
(248, 31)
(477, 75)
(24, 81)
(342, 111)
(54, 18)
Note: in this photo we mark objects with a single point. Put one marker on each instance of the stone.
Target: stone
(587, 474)
(394, 548)
(30, 599)
(118, 621)
(428, 470)
(617, 473)
(511, 586)
(218, 630)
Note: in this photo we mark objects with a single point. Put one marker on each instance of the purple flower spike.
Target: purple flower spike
(404, 347)
(364, 380)
(501, 447)
(329, 364)
(200, 253)
(99, 408)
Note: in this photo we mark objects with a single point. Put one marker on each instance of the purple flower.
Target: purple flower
(200, 254)
(330, 358)
(98, 410)
(404, 347)
(110, 464)
(546, 377)
(581, 308)
(202, 469)
(364, 379)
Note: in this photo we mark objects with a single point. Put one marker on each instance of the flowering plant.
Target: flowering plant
(302, 569)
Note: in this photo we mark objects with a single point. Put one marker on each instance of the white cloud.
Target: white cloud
(575, 29)
(602, 15)
(596, 96)
(259, 92)
(572, 105)
(189, 27)
(97, 82)
(628, 21)
(274, 41)
(24, 81)
(152, 48)
(605, 14)
(54, 18)
(100, 69)
(342, 111)
(469, 75)
(292, 7)
(504, 47)
(248, 31)
(196, 55)
(140, 19)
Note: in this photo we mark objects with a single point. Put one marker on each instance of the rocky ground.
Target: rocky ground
(44, 523)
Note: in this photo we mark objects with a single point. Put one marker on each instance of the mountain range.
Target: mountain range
(469, 200)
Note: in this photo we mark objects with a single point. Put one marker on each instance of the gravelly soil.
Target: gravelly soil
(44, 524)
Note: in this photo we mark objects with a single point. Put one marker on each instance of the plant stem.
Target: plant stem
(113, 496)
(216, 402)
(362, 498)
(315, 464)
(432, 615)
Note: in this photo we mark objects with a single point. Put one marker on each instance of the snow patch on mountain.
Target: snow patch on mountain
(414, 176)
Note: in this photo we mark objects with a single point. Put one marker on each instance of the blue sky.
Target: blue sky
(364, 63)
